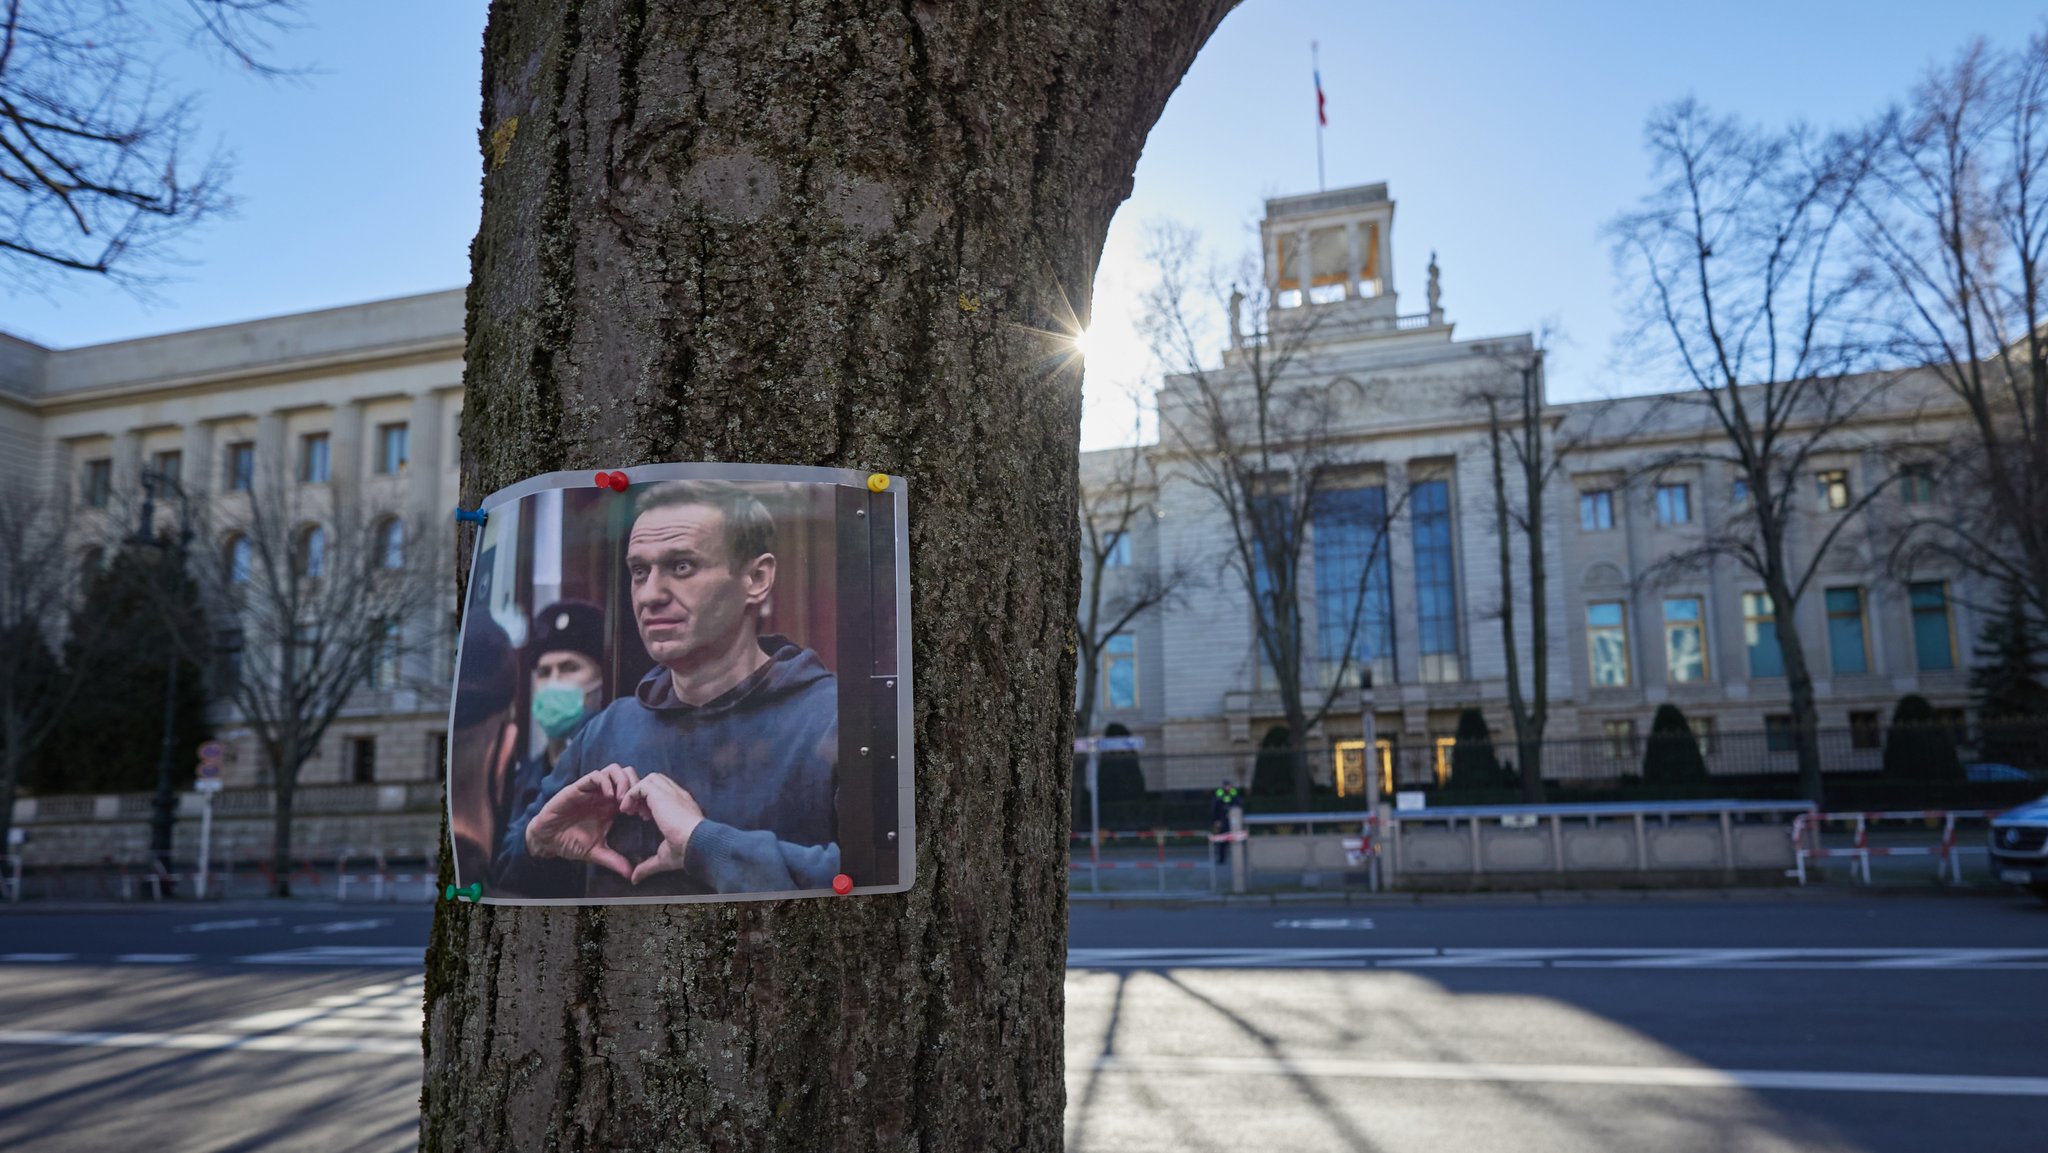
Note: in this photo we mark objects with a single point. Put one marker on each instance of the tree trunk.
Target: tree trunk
(1084, 704)
(287, 783)
(801, 234)
(1799, 688)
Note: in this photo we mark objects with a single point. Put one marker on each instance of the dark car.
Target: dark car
(2019, 846)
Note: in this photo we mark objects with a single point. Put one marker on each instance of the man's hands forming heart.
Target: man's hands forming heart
(574, 823)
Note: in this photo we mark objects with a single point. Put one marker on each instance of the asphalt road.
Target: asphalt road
(1776, 1023)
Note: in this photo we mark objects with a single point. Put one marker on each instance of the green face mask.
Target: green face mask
(557, 708)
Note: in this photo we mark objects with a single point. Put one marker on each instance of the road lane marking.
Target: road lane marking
(410, 956)
(220, 1042)
(342, 926)
(223, 926)
(1669, 1077)
(39, 958)
(155, 958)
(1326, 923)
(1848, 959)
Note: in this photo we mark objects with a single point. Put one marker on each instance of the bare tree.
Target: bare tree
(1263, 436)
(96, 175)
(1748, 305)
(1954, 219)
(320, 596)
(1114, 592)
(39, 576)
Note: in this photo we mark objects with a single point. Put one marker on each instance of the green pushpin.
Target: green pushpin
(473, 890)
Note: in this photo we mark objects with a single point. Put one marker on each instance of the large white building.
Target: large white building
(362, 401)
(374, 390)
(1624, 636)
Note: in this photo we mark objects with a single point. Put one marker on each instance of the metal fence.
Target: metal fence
(1151, 789)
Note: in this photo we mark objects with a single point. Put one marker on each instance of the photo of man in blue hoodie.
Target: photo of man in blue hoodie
(717, 773)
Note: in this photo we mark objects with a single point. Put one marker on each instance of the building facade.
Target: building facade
(352, 406)
(1628, 628)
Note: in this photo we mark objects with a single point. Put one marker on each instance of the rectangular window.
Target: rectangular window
(1354, 604)
(1778, 735)
(1436, 597)
(1120, 672)
(384, 664)
(1596, 510)
(1702, 732)
(227, 661)
(241, 466)
(313, 459)
(1934, 646)
(1674, 504)
(98, 482)
(1848, 642)
(1116, 552)
(1738, 493)
(391, 448)
(1444, 747)
(1916, 483)
(1760, 636)
(1607, 643)
(1833, 484)
(168, 464)
(1864, 731)
(1621, 739)
(1685, 640)
(362, 760)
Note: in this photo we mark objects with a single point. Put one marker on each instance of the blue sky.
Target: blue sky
(1508, 132)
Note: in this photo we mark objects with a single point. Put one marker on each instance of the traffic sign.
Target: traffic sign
(209, 770)
(208, 785)
(212, 751)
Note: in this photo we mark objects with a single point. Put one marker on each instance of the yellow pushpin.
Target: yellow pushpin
(878, 482)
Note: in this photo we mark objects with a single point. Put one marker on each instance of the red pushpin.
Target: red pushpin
(619, 482)
(842, 884)
(604, 480)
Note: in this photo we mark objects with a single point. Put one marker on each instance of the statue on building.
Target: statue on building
(1436, 292)
(1236, 317)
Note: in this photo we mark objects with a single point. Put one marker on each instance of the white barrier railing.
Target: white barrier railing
(1806, 841)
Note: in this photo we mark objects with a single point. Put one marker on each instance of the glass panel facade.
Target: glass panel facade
(1607, 643)
(1685, 640)
(1120, 672)
(1933, 645)
(1436, 596)
(1760, 636)
(1848, 647)
(1353, 605)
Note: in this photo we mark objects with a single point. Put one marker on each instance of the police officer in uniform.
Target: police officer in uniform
(1219, 817)
(565, 657)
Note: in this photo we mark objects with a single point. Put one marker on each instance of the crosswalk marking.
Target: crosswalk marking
(38, 958)
(1591, 958)
(1666, 1077)
(377, 955)
(155, 958)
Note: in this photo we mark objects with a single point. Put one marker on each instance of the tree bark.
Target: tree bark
(827, 235)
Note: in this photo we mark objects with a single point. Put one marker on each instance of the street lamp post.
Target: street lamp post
(164, 807)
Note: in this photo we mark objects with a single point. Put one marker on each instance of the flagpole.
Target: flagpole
(1316, 65)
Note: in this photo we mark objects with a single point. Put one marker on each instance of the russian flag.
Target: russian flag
(1322, 117)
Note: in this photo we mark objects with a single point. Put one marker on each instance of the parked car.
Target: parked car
(2019, 846)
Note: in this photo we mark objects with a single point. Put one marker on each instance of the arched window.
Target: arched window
(235, 558)
(312, 551)
(391, 543)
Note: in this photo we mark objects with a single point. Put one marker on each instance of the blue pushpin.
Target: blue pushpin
(472, 515)
(472, 891)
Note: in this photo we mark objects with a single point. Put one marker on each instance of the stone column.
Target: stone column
(423, 454)
(346, 454)
(273, 463)
(1305, 271)
(127, 466)
(1354, 269)
(196, 468)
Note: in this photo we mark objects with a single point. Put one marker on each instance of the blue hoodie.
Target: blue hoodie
(759, 760)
